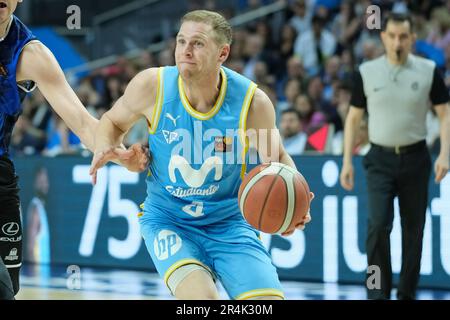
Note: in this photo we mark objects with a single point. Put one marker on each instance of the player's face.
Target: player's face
(398, 40)
(7, 8)
(197, 52)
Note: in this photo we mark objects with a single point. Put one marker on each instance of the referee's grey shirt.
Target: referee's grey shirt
(397, 98)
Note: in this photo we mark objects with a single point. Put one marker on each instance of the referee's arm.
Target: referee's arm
(358, 105)
(439, 98)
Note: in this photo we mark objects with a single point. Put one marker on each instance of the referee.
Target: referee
(396, 90)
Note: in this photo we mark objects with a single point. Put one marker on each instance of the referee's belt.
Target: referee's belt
(401, 149)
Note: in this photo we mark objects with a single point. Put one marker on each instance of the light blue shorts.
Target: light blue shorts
(230, 249)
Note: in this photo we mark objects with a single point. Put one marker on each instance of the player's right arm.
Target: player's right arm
(352, 122)
(137, 101)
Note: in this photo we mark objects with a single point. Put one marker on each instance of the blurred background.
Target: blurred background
(310, 87)
(117, 39)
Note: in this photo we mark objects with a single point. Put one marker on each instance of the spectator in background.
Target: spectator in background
(113, 90)
(347, 63)
(61, 140)
(292, 70)
(165, 57)
(145, 60)
(262, 76)
(301, 21)
(310, 118)
(346, 24)
(440, 33)
(315, 92)
(292, 89)
(370, 50)
(342, 101)
(286, 47)
(294, 139)
(315, 46)
(30, 136)
(237, 49)
(330, 75)
(253, 50)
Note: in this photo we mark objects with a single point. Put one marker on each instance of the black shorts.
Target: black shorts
(10, 223)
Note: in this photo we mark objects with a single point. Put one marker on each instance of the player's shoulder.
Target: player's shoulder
(145, 78)
(261, 104)
(35, 49)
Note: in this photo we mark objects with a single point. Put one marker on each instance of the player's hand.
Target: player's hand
(347, 177)
(136, 158)
(441, 167)
(99, 160)
(306, 219)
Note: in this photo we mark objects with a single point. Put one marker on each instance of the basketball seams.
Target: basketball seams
(289, 180)
(251, 183)
(267, 196)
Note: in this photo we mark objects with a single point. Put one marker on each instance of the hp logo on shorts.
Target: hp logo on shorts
(10, 228)
(166, 244)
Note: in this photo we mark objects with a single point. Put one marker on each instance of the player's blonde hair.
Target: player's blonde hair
(218, 23)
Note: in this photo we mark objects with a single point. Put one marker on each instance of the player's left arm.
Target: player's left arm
(441, 165)
(439, 98)
(263, 133)
(265, 136)
(38, 64)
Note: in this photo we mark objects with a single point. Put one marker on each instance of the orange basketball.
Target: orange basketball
(274, 198)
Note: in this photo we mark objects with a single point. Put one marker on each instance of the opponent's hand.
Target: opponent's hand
(347, 177)
(441, 167)
(306, 219)
(136, 158)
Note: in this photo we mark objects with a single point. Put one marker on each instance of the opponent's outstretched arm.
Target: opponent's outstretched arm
(37, 63)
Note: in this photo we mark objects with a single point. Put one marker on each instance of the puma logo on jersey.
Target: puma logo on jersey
(192, 177)
(174, 120)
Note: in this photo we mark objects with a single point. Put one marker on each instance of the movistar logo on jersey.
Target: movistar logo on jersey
(192, 177)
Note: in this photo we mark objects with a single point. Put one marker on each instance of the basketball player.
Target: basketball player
(25, 63)
(191, 222)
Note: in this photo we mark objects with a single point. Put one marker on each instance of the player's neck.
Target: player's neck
(4, 28)
(202, 94)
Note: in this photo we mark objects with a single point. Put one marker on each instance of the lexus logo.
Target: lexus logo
(10, 228)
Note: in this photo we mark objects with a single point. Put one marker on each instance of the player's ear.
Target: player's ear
(224, 52)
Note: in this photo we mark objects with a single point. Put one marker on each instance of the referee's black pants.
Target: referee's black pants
(405, 175)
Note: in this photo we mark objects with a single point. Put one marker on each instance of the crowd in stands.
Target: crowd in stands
(302, 57)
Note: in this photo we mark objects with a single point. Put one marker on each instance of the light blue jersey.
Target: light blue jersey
(199, 158)
(191, 213)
